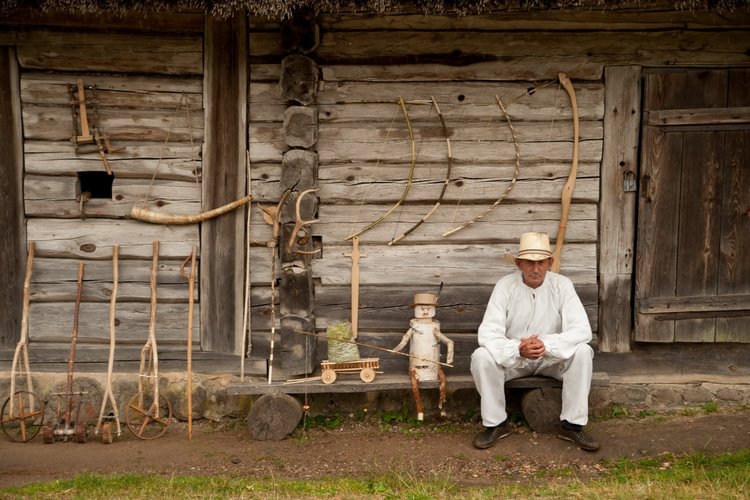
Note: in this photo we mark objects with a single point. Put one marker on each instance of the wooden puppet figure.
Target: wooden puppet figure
(425, 336)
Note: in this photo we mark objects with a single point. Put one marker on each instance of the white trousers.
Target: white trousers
(575, 374)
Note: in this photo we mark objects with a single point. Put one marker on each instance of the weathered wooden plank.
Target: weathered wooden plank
(612, 18)
(93, 238)
(656, 262)
(434, 172)
(102, 292)
(428, 266)
(463, 47)
(700, 231)
(734, 270)
(656, 265)
(176, 161)
(465, 133)
(337, 222)
(13, 242)
(678, 363)
(619, 170)
(57, 196)
(51, 322)
(54, 281)
(530, 68)
(54, 123)
(654, 16)
(524, 100)
(371, 145)
(112, 52)
(376, 344)
(132, 271)
(475, 191)
(617, 206)
(222, 276)
(118, 91)
(115, 91)
(460, 308)
(267, 109)
(395, 150)
(149, 22)
(426, 131)
(700, 116)
(694, 303)
(386, 308)
(425, 173)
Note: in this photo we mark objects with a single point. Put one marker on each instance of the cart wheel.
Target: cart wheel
(145, 418)
(26, 418)
(48, 434)
(367, 375)
(328, 376)
(106, 432)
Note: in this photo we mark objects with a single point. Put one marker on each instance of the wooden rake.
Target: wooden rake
(104, 429)
(149, 413)
(22, 414)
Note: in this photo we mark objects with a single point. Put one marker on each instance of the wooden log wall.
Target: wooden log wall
(368, 62)
(364, 152)
(147, 98)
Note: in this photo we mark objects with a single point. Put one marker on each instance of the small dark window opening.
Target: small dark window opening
(99, 184)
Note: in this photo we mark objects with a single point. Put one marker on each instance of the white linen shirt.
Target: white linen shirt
(552, 311)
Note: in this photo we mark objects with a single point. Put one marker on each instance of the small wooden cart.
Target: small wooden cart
(365, 366)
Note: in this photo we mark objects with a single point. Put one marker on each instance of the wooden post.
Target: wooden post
(13, 242)
(191, 300)
(622, 116)
(221, 272)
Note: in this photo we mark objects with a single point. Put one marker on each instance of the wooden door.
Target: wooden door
(693, 246)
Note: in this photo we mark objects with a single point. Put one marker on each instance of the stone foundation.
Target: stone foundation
(211, 402)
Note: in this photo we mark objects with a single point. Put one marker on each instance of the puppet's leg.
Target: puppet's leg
(441, 377)
(417, 396)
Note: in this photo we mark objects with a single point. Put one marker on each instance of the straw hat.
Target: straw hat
(425, 299)
(533, 246)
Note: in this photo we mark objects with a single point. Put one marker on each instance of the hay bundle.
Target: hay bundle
(341, 348)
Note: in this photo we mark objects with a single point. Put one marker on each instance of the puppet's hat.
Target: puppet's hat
(425, 299)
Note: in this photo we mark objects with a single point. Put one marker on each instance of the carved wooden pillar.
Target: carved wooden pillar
(299, 172)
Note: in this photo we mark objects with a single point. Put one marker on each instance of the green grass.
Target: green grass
(664, 477)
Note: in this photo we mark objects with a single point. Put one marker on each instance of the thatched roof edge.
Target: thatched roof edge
(282, 9)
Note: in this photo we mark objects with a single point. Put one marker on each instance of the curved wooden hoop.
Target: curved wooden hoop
(516, 170)
(409, 181)
(446, 181)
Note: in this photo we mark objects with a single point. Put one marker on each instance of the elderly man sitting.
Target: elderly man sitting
(534, 324)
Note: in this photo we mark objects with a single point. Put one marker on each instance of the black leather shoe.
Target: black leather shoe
(491, 435)
(583, 440)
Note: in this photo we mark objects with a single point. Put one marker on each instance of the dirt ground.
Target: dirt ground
(362, 449)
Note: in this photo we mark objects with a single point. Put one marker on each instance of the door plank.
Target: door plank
(734, 266)
(699, 228)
